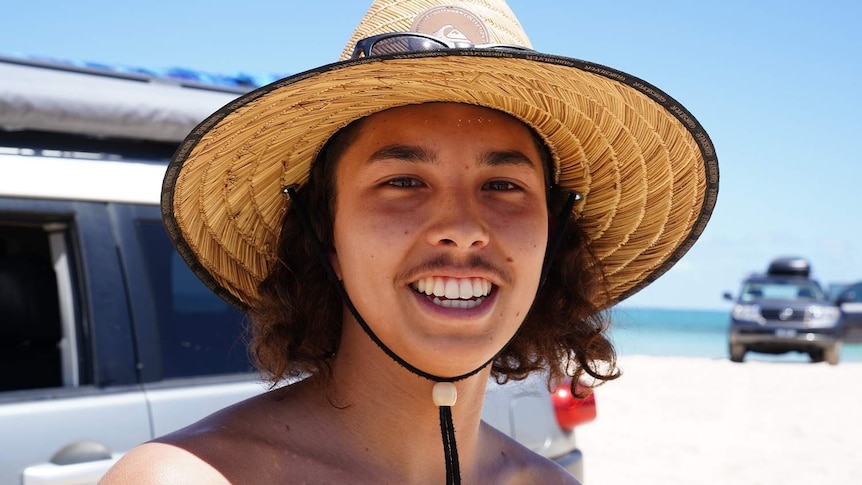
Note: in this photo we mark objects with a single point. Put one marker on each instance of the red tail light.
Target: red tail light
(572, 411)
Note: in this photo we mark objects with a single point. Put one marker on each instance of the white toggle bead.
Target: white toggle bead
(444, 394)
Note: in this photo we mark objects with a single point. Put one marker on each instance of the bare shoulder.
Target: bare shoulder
(516, 464)
(237, 444)
(194, 454)
(161, 463)
(206, 452)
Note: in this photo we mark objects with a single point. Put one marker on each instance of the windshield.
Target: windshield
(781, 290)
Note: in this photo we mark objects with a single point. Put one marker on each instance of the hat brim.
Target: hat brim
(646, 168)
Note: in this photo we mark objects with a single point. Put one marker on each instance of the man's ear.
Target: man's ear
(336, 265)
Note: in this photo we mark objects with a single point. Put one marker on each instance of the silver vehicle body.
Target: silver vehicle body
(111, 391)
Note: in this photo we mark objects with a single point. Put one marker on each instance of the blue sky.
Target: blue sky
(775, 83)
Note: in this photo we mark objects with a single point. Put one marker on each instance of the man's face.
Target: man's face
(440, 231)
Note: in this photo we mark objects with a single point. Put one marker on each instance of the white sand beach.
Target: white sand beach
(678, 420)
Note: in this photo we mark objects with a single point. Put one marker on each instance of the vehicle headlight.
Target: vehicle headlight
(823, 316)
(749, 313)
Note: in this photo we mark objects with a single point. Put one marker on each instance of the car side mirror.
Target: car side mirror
(727, 296)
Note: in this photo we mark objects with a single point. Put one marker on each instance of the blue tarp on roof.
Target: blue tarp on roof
(241, 80)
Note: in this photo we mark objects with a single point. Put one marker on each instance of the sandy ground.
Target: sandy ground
(677, 420)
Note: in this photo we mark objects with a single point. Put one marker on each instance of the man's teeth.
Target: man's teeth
(453, 288)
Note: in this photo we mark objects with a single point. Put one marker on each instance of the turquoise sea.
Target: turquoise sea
(688, 333)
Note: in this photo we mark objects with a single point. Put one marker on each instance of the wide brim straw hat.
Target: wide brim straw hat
(646, 169)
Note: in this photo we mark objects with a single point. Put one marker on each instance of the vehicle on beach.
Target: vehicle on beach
(784, 310)
(107, 339)
(849, 300)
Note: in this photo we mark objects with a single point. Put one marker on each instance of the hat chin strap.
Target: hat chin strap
(444, 393)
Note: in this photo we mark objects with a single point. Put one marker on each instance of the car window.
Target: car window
(852, 294)
(781, 290)
(31, 329)
(199, 333)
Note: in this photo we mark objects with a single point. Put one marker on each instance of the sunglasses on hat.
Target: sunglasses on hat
(400, 42)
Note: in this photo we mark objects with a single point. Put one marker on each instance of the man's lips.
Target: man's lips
(451, 292)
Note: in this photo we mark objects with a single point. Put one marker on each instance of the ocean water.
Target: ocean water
(688, 333)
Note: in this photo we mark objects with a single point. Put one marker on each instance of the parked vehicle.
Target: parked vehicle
(849, 300)
(784, 310)
(107, 339)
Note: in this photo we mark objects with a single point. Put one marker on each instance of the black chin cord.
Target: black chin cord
(444, 392)
(450, 450)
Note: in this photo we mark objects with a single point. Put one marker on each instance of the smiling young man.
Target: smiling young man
(442, 206)
(441, 225)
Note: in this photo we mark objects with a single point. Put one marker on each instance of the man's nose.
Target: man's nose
(458, 222)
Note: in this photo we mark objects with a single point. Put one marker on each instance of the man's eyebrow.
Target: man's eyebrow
(409, 153)
(507, 157)
(413, 153)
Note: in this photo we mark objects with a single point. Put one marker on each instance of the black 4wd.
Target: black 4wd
(784, 310)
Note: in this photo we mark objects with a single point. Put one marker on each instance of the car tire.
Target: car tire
(833, 353)
(817, 355)
(737, 352)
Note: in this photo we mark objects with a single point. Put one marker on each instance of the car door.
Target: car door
(69, 397)
(850, 301)
(191, 343)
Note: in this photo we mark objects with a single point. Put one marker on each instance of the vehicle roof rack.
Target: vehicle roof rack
(95, 100)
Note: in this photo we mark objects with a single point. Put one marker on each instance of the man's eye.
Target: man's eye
(499, 185)
(404, 182)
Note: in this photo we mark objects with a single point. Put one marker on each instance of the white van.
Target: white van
(107, 339)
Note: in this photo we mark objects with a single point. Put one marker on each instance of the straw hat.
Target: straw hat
(646, 169)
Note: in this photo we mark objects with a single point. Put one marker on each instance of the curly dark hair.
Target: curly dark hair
(296, 327)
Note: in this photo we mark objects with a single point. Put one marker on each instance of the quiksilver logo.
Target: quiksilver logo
(451, 33)
(453, 23)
